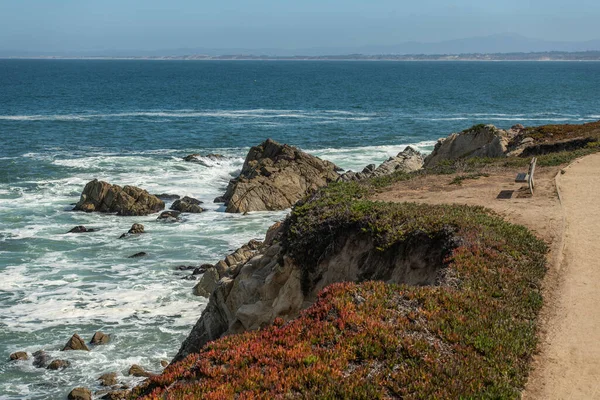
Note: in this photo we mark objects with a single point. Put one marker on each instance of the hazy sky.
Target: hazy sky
(56, 25)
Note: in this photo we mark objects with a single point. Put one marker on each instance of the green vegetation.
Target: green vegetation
(474, 128)
(470, 339)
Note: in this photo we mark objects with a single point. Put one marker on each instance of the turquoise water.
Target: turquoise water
(63, 123)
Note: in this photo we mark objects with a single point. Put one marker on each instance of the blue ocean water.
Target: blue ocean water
(65, 122)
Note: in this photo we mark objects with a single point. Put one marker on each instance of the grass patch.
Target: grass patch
(372, 340)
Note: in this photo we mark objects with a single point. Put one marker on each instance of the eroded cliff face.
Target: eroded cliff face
(271, 284)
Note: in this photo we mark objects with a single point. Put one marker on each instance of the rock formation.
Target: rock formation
(75, 343)
(19, 355)
(138, 371)
(40, 359)
(100, 338)
(135, 229)
(81, 229)
(128, 200)
(477, 141)
(169, 216)
(58, 364)
(408, 160)
(205, 160)
(276, 176)
(80, 393)
(108, 379)
(187, 204)
(271, 284)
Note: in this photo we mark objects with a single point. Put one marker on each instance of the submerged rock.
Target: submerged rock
(75, 343)
(40, 359)
(138, 255)
(167, 197)
(276, 176)
(100, 338)
(128, 200)
(58, 364)
(108, 379)
(187, 204)
(135, 229)
(82, 229)
(477, 141)
(19, 355)
(408, 160)
(80, 393)
(169, 216)
(206, 160)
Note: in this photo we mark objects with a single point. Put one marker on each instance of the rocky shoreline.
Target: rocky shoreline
(269, 281)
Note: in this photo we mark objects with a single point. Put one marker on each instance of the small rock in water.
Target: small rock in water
(58, 364)
(75, 343)
(108, 379)
(164, 363)
(19, 355)
(187, 204)
(190, 278)
(137, 255)
(220, 199)
(169, 216)
(135, 229)
(166, 196)
(201, 269)
(100, 338)
(185, 267)
(80, 393)
(40, 359)
(81, 229)
(138, 371)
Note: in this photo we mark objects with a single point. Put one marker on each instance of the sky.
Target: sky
(78, 25)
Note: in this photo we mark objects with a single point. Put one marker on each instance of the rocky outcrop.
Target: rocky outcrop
(136, 229)
(207, 160)
(224, 268)
(272, 284)
(108, 379)
(138, 371)
(82, 229)
(188, 205)
(58, 364)
(408, 160)
(276, 176)
(167, 196)
(19, 355)
(75, 343)
(128, 200)
(80, 393)
(169, 216)
(99, 338)
(477, 141)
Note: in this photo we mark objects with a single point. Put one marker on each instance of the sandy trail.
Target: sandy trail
(568, 366)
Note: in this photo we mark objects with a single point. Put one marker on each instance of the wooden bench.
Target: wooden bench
(528, 177)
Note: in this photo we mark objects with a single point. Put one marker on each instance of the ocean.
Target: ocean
(66, 122)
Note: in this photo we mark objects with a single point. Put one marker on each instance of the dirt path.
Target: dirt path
(568, 366)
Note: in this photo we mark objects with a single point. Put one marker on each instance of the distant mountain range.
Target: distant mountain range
(494, 44)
